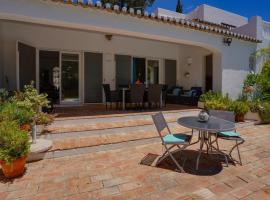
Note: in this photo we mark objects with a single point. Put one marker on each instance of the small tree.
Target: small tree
(179, 7)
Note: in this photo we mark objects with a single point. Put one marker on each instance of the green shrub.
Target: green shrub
(209, 96)
(265, 112)
(44, 119)
(14, 143)
(251, 80)
(31, 99)
(239, 107)
(11, 111)
(3, 95)
(263, 81)
(215, 101)
(215, 105)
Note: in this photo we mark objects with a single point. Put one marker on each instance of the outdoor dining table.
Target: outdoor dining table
(125, 89)
(213, 125)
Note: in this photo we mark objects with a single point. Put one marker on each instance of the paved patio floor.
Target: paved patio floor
(118, 174)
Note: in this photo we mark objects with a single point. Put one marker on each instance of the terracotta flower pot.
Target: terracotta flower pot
(239, 118)
(25, 127)
(15, 169)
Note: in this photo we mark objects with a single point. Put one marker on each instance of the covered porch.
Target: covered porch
(72, 65)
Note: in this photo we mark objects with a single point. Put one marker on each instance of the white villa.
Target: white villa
(76, 46)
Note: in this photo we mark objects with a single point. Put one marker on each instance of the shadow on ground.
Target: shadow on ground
(209, 164)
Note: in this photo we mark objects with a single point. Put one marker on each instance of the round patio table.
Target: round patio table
(213, 125)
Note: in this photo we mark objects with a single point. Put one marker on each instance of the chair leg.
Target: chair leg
(167, 151)
(238, 151)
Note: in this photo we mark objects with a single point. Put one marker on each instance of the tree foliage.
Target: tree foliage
(179, 7)
(137, 4)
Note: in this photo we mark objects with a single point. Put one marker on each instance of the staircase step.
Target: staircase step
(73, 140)
(89, 124)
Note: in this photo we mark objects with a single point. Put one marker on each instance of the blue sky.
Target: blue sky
(246, 8)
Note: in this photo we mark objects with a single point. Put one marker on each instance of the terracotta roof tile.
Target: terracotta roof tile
(192, 24)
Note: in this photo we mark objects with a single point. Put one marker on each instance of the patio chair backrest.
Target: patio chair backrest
(137, 93)
(226, 115)
(154, 93)
(160, 123)
(107, 91)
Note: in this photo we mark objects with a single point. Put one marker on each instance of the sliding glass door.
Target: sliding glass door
(152, 72)
(70, 68)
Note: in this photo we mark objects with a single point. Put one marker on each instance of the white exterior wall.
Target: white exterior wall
(168, 13)
(1, 59)
(51, 38)
(259, 29)
(196, 69)
(228, 61)
(216, 15)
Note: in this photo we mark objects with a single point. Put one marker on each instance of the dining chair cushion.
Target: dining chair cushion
(229, 134)
(176, 138)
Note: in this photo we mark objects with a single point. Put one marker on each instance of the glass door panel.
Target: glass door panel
(139, 70)
(152, 71)
(70, 77)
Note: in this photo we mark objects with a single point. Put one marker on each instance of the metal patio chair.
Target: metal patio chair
(170, 140)
(228, 135)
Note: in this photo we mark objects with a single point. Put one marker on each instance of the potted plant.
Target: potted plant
(11, 111)
(254, 110)
(14, 148)
(42, 120)
(240, 108)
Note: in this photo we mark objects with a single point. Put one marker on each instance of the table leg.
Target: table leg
(161, 102)
(201, 149)
(124, 100)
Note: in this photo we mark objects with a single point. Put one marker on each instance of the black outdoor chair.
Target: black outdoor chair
(154, 95)
(164, 94)
(136, 95)
(228, 135)
(111, 96)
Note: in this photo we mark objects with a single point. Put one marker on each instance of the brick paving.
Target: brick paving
(118, 174)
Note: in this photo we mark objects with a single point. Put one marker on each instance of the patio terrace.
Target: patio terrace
(112, 157)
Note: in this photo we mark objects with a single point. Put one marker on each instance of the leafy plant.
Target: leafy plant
(263, 81)
(265, 112)
(31, 99)
(44, 119)
(209, 96)
(215, 101)
(14, 143)
(11, 111)
(239, 107)
(3, 95)
(251, 80)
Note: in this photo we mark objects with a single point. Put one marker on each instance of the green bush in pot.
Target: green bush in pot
(14, 148)
(11, 111)
(240, 108)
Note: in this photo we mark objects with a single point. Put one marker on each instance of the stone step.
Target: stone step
(100, 148)
(72, 140)
(62, 141)
(102, 123)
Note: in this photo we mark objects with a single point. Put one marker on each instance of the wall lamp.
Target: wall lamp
(227, 41)
(108, 37)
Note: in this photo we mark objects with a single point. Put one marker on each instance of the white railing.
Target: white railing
(266, 30)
